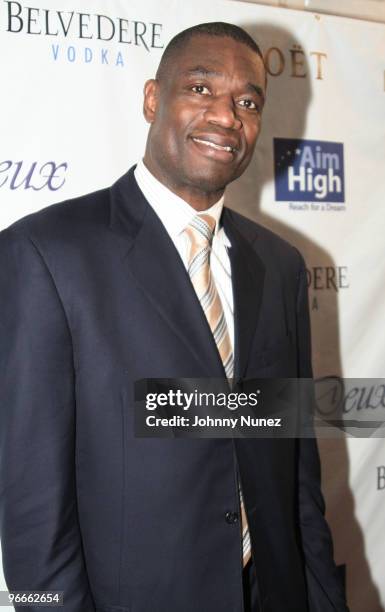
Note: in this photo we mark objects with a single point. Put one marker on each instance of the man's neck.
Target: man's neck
(196, 198)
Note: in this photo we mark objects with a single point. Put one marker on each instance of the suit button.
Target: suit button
(231, 517)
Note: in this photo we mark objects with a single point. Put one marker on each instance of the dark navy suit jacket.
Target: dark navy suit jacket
(94, 296)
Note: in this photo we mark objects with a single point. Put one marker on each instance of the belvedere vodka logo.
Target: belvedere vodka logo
(83, 37)
(308, 170)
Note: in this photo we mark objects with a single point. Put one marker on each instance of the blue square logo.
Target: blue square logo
(308, 170)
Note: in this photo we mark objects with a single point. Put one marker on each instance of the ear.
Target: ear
(150, 101)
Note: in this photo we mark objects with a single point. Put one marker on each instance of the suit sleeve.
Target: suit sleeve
(325, 591)
(39, 528)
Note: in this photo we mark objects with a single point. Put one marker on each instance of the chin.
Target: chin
(211, 182)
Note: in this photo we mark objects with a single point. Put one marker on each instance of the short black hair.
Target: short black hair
(214, 28)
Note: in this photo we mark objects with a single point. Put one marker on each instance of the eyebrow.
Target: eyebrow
(201, 71)
(206, 72)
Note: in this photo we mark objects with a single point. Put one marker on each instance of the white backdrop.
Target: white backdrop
(71, 123)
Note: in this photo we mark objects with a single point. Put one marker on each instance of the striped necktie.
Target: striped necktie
(200, 232)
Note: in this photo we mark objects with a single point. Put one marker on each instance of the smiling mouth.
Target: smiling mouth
(213, 145)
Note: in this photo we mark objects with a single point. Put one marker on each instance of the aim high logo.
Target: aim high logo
(309, 171)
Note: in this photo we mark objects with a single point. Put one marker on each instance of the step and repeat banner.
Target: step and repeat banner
(71, 122)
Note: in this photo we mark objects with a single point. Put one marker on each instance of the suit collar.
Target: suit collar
(149, 255)
(127, 207)
(247, 274)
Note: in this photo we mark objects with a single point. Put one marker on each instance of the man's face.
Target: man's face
(205, 115)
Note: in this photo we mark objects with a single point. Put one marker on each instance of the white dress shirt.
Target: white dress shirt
(175, 214)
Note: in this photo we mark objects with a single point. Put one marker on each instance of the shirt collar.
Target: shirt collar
(174, 212)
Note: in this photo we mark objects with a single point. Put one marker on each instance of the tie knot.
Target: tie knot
(201, 230)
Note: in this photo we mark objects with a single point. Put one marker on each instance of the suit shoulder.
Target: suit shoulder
(265, 241)
(65, 219)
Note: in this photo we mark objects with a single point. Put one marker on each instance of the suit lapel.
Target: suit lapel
(150, 256)
(247, 273)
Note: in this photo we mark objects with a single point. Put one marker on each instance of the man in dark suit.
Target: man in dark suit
(154, 278)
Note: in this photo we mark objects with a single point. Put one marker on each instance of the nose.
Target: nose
(223, 112)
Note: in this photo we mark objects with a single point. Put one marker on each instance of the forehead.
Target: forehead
(219, 55)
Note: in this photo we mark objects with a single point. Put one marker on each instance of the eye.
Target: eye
(200, 89)
(250, 104)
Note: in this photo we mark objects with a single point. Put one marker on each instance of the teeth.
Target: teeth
(213, 145)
